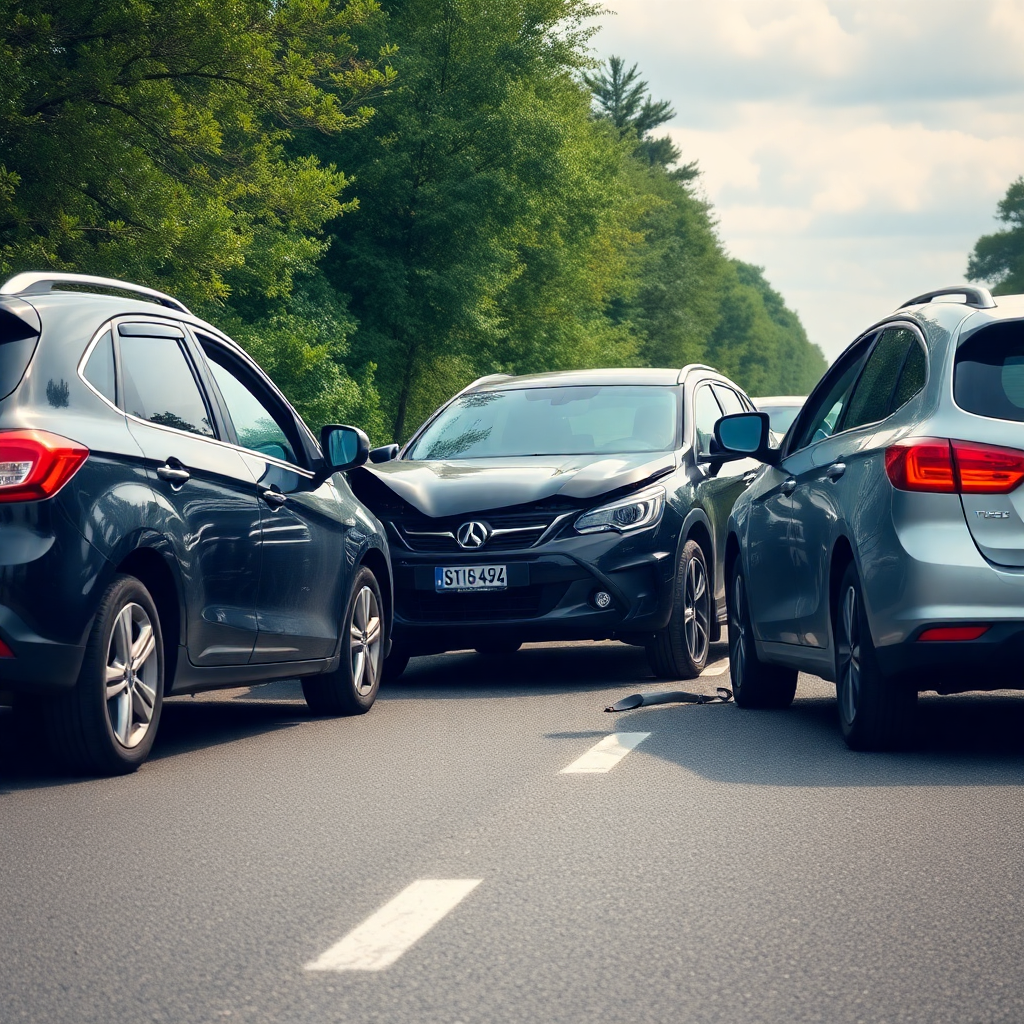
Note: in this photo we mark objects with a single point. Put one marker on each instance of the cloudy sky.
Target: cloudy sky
(856, 149)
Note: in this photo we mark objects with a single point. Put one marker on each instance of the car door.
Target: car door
(847, 479)
(206, 506)
(780, 550)
(305, 575)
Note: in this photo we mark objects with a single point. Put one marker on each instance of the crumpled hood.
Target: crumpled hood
(472, 485)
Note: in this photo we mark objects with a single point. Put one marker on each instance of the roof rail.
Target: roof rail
(979, 298)
(689, 367)
(40, 283)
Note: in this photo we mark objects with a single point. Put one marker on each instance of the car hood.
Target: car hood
(472, 485)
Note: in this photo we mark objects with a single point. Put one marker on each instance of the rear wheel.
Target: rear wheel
(680, 650)
(755, 683)
(876, 712)
(107, 724)
(352, 687)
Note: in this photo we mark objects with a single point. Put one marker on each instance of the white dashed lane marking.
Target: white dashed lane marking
(384, 936)
(605, 755)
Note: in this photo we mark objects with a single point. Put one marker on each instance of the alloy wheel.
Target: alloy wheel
(849, 656)
(365, 639)
(131, 675)
(696, 611)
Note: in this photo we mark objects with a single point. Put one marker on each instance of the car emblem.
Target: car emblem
(473, 535)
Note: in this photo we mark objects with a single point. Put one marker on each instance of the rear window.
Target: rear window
(17, 343)
(988, 375)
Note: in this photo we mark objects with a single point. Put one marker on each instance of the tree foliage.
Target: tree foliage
(999, 258)
(380, 200)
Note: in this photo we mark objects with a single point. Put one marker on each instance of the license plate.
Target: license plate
(470, 577)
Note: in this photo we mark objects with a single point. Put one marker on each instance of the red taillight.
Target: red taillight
(953, 633)
(925, 464)
(948, 467)
(36, 464)
(5, 651)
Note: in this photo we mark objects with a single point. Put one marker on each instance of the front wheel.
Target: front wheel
(680, 650)
(352, 687)
(876, 712)
(107, 724)
(755, 683)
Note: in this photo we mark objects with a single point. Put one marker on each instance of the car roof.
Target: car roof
(637, 376)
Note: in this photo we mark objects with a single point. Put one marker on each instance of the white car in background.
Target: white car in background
(781, 409)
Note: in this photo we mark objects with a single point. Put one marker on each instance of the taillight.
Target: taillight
(954, 467)
(953, 633)
(36, 464)
(5, 651)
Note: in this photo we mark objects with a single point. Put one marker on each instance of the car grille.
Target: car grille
(514, 603)
(509, 532)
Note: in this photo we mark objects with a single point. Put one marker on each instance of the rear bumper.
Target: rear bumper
(549, 597)
(39, 665)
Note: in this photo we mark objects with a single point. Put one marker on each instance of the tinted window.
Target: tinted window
(99, 370)
(988, 376)
(912, 377)
(256, 426)
(822, 412)
(869, 402)
(581, 420)
(159, 386)
(706, 413)
(728, 400)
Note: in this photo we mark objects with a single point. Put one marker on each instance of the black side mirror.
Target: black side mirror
(343, 448)
(383, 454)
(745, 435)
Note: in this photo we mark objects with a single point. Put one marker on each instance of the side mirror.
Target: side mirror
(745, 435)
(384, 454)
(343, 448)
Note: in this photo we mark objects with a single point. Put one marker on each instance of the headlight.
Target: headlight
(633, 513)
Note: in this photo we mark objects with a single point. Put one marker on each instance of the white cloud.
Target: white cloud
(854, 148)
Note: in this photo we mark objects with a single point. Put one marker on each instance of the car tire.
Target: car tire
(755, 683)
(876, 712)
(106, 725)
(352, 687)
(680, 650)
(498, 649)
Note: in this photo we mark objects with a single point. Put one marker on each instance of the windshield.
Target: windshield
(596, 420)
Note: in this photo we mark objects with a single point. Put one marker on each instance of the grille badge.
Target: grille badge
(473, 534)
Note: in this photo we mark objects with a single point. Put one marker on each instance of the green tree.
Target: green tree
(494, 220)
(999, 258)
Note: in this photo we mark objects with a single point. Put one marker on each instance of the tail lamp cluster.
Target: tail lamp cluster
(36, 464)
(954, 467)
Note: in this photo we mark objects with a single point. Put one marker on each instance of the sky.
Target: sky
(855, 149)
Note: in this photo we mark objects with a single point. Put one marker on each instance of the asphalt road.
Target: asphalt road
(734, 867)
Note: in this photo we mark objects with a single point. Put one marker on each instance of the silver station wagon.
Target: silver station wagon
(882, 547)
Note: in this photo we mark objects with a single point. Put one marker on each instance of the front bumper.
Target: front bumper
(549, 593)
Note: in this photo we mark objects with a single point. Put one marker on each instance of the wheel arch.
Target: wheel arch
(377, 562)
(842, 556)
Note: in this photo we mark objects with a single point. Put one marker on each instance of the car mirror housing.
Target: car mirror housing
(343, 447)
(745, 435)
(385, 453)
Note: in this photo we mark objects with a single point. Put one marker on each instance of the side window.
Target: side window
(912, 376)
(99, 370)
(256, 424)
(158, 385)
(706, 413)
(871, 398)
(821, 414)
(728, 400)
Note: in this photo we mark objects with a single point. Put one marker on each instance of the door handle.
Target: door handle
(788, 486)
(836, 470)
(175, 475)
(274, 498)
